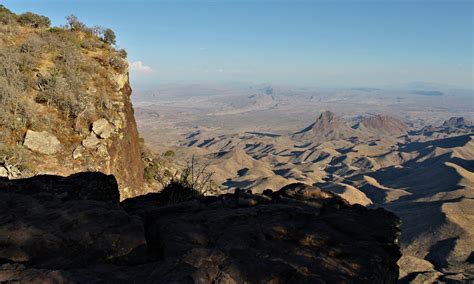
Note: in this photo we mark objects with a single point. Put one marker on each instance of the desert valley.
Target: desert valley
(409, 150)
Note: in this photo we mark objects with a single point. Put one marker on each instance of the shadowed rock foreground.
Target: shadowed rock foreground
(74, 230)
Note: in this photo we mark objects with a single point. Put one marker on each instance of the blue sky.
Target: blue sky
(311, 43)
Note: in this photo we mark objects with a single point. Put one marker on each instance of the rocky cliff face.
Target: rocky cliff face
(65, 103)
(74, 230)
(125, 159)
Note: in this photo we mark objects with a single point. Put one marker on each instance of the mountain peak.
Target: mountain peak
(327, 116)
(326, 127)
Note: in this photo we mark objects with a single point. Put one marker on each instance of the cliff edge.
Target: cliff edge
(65, 102)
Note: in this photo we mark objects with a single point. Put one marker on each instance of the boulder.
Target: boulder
(3, 172)
(77, 153)
(91, 141)
(42, 142)
(121, 80)
(102, 128)
(51, 222)
(81, 186)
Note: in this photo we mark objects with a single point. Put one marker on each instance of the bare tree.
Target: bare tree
(74, 24)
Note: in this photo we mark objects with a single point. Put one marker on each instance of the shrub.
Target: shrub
(6, 16)
(87, 44)
(56, 30)
(14, 161)
(123, 53)
(109, 36)
(177, 191)
(193, 182)
(169, 154)
(31, 45)
(11, 66)
(118, 63)
(155, 169)
(34, 20)
(55, 91)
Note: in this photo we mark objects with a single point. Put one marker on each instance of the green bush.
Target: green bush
(123, 53)
(6, 16)
(170, 154)
(56, 30)
(109, 36)
(34, 20)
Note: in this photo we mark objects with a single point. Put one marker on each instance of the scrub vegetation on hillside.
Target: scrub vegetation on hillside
(53, 78)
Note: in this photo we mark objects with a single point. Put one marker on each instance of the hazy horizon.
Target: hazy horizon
(308, 43)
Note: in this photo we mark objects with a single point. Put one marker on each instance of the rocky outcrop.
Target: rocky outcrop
(114, 147)
(108, 147)
(125, 156)
(457, 122)
(91, 142)
(63, 230)
(82, 99)
(42, 142)
(102, 128)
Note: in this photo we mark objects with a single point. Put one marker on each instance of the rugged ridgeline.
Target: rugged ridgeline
(65, 102)
(74, 230)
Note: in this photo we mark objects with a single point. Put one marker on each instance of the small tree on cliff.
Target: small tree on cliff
(109, 36)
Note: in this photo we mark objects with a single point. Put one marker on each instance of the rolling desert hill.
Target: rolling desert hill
(422, 172)
(383, 125)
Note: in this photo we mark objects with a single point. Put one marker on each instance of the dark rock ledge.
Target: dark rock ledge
(74, 230)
